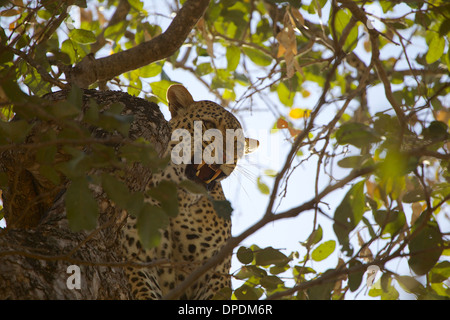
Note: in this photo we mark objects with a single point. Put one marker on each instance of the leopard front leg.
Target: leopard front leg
(147, 281)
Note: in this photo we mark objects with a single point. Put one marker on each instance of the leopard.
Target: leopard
(197, 232)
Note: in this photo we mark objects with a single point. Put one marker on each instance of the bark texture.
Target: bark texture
(38, 246)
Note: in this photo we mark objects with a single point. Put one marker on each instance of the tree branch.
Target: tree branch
(234, 241)
(373, 34)
(90, 70)
(119, 15)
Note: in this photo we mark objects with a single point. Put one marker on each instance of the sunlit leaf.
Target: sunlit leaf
(233, 56)
(149, 222)
(262, 186)
(82, 209)
(323, 250)
(82, 36)
(257, 56)
(440, 272)
(436, 49)
(150, 70)
(159, 89)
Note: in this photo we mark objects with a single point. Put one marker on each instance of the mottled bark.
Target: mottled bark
(38, 246)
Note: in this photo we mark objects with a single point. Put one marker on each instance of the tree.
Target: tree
(375, 78)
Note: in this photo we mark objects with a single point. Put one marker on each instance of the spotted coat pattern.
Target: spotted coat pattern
(197, 232)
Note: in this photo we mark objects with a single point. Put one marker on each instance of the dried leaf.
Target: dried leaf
(417, 209)
(85, 15)
(207, 36)
(282, 124)
(298, 16)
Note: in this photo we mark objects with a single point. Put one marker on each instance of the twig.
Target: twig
(90, 70)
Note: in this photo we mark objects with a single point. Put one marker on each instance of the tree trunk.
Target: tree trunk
(37, 247)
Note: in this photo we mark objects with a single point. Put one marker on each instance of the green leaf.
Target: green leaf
(223, 294)
(356, 134)
(268, 256)
(414, 196)
(159, 89)
(355, 278)
(50, 173)
(262, 186)
(136, 4)
(167, 194)
(193, 187)
(314, 237)
(150, 70)
(391, 222)
(285, 95)
(397, 164)
(82, 209)
(258, 57)
(149, 222)
(111, 120)
(387, 290)
(353, 162)
(436, 131)
(245, 255)
(348, 214)
(435, 49)
(233, 56)
(350, 162)
(116, 31)
(271, 282)
(15, 131)
(246, 292)
(342, 19)
(204, 69)
(144, 153)
(425, 248)
(82, 36)
(116, 190)
(321, 291)
(223, 208)
(250, 271)
(411, 285)
(75, 97)
(324, 250)
(68, 48)
(271, 173)
(299, 270)
(440, 272)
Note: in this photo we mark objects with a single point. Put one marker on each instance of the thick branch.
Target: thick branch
(90, 70)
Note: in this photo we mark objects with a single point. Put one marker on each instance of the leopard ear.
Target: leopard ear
(178, 98)
(251, 145)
